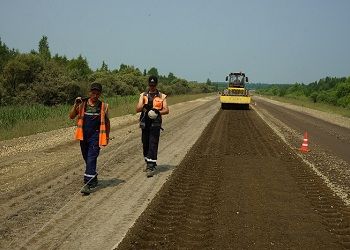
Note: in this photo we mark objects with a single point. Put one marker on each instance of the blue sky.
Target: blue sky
(273, 41)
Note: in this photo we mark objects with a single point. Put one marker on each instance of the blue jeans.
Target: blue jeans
(90, 151)
(150, 141)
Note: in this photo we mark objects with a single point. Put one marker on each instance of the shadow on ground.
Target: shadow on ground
(163, 168)
(104, 183)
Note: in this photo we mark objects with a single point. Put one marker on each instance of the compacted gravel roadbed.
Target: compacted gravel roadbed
(233, 179)
(241, 187)
(41, 175)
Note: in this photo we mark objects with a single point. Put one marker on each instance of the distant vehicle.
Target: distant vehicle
(236, 95)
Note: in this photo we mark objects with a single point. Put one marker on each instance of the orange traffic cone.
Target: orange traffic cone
(305, 145)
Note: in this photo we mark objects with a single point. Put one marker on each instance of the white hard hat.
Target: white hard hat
(152, 114)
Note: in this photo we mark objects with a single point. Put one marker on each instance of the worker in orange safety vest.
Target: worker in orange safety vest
(152, 104)
(92, 131)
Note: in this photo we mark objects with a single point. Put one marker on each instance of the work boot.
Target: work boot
(150, 170)
(153, 164)
(93, 183)
(86, 190)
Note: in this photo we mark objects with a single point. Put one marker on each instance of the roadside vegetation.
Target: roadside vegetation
(38, 77)
(38, 89)
(330, 94)
(17, 121)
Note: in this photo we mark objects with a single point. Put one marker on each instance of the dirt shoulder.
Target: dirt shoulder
(328, 139)
(41, 175)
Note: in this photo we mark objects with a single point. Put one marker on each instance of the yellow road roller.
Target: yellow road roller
(236, 96)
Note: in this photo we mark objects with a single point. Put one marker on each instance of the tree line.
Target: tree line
(39, 77)
(330, 90)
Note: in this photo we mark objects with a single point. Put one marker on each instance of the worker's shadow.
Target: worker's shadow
(104, 183)
(163, 168)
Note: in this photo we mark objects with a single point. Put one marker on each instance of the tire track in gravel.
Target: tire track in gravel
(240, 187)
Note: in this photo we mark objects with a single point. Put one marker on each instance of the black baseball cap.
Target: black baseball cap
(96, 86)
(152, 80)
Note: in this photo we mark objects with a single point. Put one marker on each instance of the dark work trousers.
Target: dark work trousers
(150, 141)
(90, 151)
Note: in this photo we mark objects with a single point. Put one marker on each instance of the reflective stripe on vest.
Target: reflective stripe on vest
(79, 135)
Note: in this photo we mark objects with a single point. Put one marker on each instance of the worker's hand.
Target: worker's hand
(147, 107)
(156, 111)
(78, 100)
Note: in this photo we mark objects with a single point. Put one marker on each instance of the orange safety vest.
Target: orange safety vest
(157, 100)
(103, 136)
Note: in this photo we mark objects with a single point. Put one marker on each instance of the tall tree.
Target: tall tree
(62, 60)
(79, 68)
(5, 54)
(44, 50)
(23, 69)
(104, 66)
(123, 67)
(153, 71)
(171, 77)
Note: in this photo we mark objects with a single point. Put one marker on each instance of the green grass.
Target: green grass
(184, 98)
(305, 102)
(17, 121)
